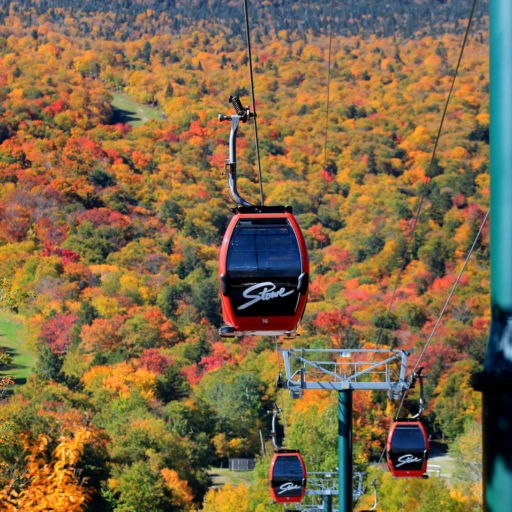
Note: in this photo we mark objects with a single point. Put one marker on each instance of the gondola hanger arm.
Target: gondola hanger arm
(243, 114)
(414, 377)
(273, 433)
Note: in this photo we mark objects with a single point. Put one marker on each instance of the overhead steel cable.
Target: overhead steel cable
(418, 211)
(451, 292)
(328, 85)
(429, 170)
(448, 299)
(438, 321)
(249, 54)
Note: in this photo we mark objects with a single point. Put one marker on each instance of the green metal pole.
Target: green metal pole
(499, 355)
(345, 450)
(495, 381)
(328, 503)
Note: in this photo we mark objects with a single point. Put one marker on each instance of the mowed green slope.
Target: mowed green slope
(12, 341)
(127, 110)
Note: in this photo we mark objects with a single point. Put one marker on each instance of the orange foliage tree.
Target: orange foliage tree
(50, 481)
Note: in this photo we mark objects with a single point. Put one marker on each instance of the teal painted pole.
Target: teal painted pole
(495, 381)
(345, 450)
(499, 351)
(328, 503)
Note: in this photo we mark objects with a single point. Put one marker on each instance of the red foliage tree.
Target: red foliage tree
(334, 324)
(56, 332)
(154, 361)
(66, 255)
(219, 356)
(104, 217)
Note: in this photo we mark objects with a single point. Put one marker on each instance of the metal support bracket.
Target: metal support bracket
(322, 484)
(341, 369)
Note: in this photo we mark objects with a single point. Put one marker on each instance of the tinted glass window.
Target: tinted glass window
(263, 248)
(408, 438)
(287, 468)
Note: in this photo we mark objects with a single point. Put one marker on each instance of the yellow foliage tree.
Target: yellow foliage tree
(119, 380)
(236, 446)
(50, 482)
(227, 499)
(221, 445)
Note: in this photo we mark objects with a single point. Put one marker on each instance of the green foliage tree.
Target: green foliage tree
(238, 402)
(457, 403)
(467, 452)
(140, 488)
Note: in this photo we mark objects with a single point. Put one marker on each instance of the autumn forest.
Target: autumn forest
(113, 205)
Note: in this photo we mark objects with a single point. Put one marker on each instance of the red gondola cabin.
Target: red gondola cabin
(263, 272)
(287, 477)
(407, 449)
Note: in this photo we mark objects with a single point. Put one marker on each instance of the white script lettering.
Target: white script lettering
(288, 486)
(407, 459)
(267, 293)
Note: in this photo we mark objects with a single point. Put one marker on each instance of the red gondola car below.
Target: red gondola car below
(287, 477)
(407, 449)
(263, 272)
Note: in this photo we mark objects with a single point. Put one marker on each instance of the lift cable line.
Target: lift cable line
(425, 185)
(248, 33)
(336, 373)
(328, 85)
(452, 291)
(415, 370)
(454, 286)
(450, 295)
(279, 377)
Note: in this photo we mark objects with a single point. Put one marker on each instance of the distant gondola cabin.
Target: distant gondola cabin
(287, 477)
(407, 449)
(263, 272)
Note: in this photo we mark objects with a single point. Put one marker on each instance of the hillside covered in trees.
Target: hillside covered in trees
(110, 233)
(129, 19)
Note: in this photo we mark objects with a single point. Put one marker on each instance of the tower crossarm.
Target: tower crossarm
(340, 369)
